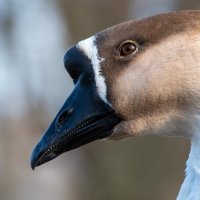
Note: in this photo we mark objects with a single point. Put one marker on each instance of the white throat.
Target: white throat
(190, 189)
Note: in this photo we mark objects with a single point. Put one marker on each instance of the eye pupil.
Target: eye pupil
(128, 48)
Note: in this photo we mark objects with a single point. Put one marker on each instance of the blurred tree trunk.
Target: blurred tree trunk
(85, 18)
(143, 8)
(189, 5)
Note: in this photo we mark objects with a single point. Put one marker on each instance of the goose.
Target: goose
(137, 78)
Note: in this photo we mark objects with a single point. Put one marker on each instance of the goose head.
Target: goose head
(137, 78)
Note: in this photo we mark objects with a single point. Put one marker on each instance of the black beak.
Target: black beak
(84, 117)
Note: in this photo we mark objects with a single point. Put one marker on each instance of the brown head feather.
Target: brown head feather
(158, 88)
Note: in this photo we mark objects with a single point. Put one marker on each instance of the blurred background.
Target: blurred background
(34, 35)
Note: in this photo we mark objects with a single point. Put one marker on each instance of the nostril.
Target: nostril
(63, 117)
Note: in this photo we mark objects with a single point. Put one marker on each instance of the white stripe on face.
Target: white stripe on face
(89, 48)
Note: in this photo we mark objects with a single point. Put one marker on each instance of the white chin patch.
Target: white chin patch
(89, 48)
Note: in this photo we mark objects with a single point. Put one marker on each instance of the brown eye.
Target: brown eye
(128, 47)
